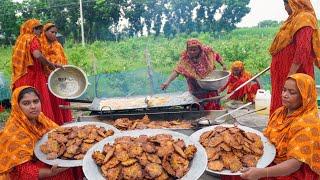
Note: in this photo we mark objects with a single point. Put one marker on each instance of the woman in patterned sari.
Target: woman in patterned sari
(28, 63)
(239, 76)
(196, 63)
(25, 126)
(294, 129)
(53, 51)
(295, 48)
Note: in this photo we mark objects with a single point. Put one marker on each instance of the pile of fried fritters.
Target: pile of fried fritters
(155, 157)
(146, 123)
(231, 148)
(73, 142)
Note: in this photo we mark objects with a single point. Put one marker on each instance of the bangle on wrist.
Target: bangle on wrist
(267, 172)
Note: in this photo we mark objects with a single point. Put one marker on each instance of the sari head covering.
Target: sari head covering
(193, 43)
(18, 138)
(201, 68)
(240, 65)
(302, 15)
(53, 51)
(297, 135)
(21, 56)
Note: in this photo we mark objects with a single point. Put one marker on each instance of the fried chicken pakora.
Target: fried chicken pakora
(231, 148)
(146, 123)
(155, 157)
(73, 142)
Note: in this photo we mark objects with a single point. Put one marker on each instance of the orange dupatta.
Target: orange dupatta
(18, 138)
(53, 51)
(233, 80)
(302, 15)
(21, 56)
(298, 134)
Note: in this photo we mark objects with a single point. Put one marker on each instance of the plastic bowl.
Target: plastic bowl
(214, 80)
(68, 83)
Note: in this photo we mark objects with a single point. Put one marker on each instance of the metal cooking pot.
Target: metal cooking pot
(214, 80)
(69, 82)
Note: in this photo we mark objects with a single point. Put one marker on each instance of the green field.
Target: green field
(248, 44)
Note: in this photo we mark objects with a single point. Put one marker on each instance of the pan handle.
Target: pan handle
(211, 98)
(218, 119)
(74, 107)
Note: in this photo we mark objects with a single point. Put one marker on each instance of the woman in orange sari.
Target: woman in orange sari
(28, 63)
(196, 63)
(239, 76)
(294, 129)
(25, 126)
(53, 51)
(295, 48)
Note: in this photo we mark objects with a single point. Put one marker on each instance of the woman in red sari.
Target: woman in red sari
(25, 126)
(28, 63)
(295, 48)
(53, 51)
(239, 76)
(196, 63)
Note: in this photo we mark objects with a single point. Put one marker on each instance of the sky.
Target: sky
(265, 10)
(269, 10)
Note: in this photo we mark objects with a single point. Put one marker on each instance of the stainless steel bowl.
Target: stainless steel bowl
(68, 83)
(214, 80)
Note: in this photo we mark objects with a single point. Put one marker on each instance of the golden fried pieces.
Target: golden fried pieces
(129, 162)
(73, 142)
(190, 151)
(132, 172)
(216, 165)
(113, 173)
(146, 123)
(165, 149)
(98, 157)
(250, 160)
(154, 170)
(156, 157)
(212, 153)
(231, 148)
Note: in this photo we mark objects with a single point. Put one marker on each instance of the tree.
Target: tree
(233, 13)
(205, 19)
(9, 23)
(268, 23)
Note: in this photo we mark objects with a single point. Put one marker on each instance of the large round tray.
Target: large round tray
(61, 162)
(269, 151)
(198, 164)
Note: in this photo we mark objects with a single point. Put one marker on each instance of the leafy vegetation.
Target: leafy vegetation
(104, 19)
(247, 44)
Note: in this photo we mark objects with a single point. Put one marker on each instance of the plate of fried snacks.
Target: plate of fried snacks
(125, 124)
(231, 148)
(66, 145)
(145, 154)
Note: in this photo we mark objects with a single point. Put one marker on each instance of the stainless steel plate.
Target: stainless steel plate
(61, 162)
(198, 164)
(269, 151)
